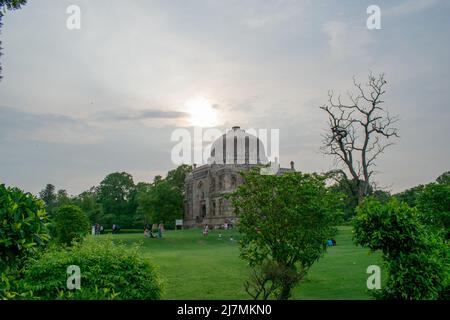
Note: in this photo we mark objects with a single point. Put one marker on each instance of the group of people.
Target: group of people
(97, 229)
(228, 224)
(159, 229)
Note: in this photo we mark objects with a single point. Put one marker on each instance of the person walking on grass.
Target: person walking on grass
(160, 230)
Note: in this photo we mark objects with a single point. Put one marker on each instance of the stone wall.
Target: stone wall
(205, 189)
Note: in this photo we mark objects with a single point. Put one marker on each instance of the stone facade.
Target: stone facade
(207, 185)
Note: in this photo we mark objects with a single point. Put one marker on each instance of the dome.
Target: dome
(237, 147)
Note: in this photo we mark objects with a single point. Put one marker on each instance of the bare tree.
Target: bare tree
(359, 131)
(4, 6)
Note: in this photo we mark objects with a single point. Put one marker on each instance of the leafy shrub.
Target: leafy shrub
(108, 271)
(285, 222)
(416, 259)
(23, 227)
(434, 204)
(71, 224)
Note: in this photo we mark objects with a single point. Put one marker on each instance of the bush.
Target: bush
(23, 227)
(108, 271)
(434, 204)
(285, 222)
(416, 259)
(71, 224)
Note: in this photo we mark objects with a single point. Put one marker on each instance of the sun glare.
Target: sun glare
(201, 112)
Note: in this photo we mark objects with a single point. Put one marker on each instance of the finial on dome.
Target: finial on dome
(236, 128)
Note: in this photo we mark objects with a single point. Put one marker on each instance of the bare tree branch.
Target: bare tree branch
(357, 132)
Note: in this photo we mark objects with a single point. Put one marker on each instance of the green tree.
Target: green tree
(416, 259)
(381, 195)
(71, 223)
(177, 177)
(62, 198)
(117, 195)
(409, 196)
(8, 5)
(444, 178)
(163, 202)
(350, 189)
(23, 228)
(49, 197)
(434, 204)
(142, 216)
(87, 201)
(285, 222)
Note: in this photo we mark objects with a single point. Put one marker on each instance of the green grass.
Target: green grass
(197, 267)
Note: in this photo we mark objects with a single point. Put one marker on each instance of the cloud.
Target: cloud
(408, 7)
(16, 124)
(345, 41)
(106, 97)
(272, 14)
(134, 115)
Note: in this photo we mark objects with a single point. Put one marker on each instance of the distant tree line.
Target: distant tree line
(119, 200)
(432, 200)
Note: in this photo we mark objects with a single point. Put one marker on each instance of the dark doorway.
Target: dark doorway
(203, 210)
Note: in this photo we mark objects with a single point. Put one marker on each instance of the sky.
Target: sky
(76, 105)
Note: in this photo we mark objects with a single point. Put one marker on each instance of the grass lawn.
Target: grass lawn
(197, 267)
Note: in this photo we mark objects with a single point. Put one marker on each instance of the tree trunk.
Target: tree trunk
(363, 188)
(285, 292)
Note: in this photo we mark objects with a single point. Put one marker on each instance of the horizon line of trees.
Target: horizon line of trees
(119, 200)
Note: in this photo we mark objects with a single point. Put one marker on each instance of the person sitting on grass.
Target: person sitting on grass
(148, 232)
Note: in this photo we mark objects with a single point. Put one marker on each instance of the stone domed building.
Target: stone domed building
(207, 185)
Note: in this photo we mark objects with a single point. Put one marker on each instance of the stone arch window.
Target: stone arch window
(220, 207)
(213, 207)
(221, 182)
(233, 181)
